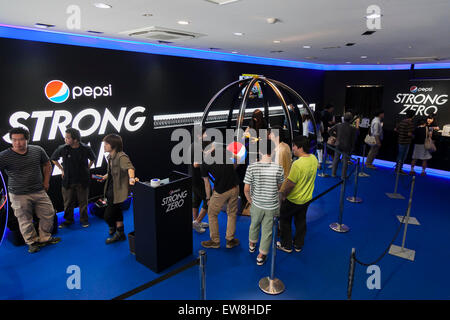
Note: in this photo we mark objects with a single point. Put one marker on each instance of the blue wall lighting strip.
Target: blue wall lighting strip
(407, 168)
(26, 33)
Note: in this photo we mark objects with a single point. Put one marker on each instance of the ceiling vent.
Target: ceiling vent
(336, 47)
(420, 59)
(368, 33)
(162, 34)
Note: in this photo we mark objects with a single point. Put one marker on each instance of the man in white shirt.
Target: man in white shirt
(376, 130)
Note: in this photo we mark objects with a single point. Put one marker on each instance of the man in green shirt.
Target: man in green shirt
(296, 193)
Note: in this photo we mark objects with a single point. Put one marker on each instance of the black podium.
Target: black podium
(163, 221)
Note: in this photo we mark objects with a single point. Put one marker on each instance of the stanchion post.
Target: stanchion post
(355, 199)
(396, 195)
(339, 226)
(402, 252)
(351, 275)
(362, 173)
(202, 257)
(270, 284)
(324, 161)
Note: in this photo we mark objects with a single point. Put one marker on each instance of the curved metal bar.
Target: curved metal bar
(209, 105)
(293, 92)
(3, 232)
(240, 117)
(284, 105)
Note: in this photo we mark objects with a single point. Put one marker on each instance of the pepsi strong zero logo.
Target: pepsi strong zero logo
(421, 100)
(57, 91)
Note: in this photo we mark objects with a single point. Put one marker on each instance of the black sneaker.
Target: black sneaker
(251, 248)
(118, 236)
(280, 247)
(111, 231)
(261, 260)
(232, 243)
(85, 224)
(297, 249)
(52, 240)
(34, 247)
(65, 224)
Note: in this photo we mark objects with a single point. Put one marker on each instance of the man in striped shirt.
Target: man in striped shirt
(405, 130)
(27, 186)
(262, 181)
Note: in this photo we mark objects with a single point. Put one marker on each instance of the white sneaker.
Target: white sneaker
(197, 227)
(204, 225)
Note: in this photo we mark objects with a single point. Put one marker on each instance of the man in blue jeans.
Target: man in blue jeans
(405, 130)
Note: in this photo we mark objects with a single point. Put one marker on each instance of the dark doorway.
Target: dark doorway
(363, 100)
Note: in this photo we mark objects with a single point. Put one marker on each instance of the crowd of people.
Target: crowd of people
(28, 168)
(280, 183)
(275, 185)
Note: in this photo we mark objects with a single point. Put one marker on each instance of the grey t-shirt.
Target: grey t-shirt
(24, 171)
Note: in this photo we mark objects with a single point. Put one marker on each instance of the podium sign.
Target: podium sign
(163, 221)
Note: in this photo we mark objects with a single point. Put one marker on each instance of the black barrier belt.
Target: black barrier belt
(385, 251)
(157, 280)
(332, 187)
(325, 192)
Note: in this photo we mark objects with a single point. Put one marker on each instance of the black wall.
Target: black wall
(160, 84)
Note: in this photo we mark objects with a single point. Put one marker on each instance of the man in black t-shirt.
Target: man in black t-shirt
(198, 185)
(226, 190)
(28, 169)
(328, 122)
(77, 159)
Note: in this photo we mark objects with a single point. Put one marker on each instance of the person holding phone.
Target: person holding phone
(120, 176)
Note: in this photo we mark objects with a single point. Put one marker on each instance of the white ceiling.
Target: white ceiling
(409, 28)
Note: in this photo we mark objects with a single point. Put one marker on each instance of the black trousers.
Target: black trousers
(288, 211)
(113, 214)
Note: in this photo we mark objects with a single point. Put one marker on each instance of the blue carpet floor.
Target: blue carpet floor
(318, 272)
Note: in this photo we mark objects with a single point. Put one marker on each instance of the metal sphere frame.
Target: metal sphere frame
(3, 205)
(247, 85)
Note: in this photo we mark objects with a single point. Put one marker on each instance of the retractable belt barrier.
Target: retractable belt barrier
(201, 261)
(401, 252)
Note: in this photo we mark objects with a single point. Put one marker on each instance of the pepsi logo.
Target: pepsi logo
(413, 89)
(237, 149)
(57, 91)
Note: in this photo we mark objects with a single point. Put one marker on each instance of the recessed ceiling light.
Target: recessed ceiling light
(43, 25)
(307, 47)
(222, 2)
(183, 22)
(363, 57)
(238, 34)
(102, 5)
(348, 62)
(234, 52)
(276, 41)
